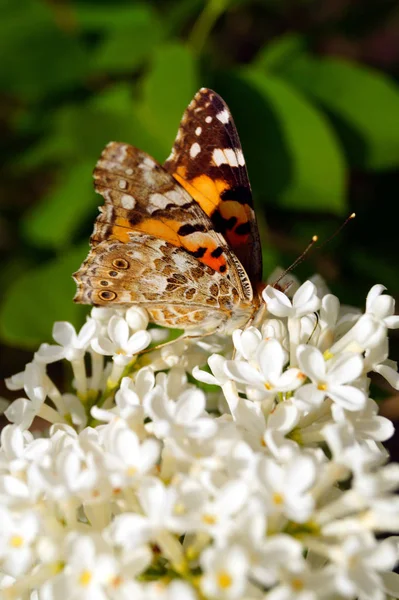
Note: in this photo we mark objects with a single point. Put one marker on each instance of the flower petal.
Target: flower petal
(346, 368)
(277, 303)
(118, 331)
(64, 333)
(271, 357)
(348, 397)
(138, 342)
(312, 363)
(375, 291)
(244, 373)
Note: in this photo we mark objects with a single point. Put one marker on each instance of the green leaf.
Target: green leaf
(362, 102)
(279, 52)
(292, 153)
(97, 16)
(39, 57)
(128, 46)
(40, 297)
(168, 88)
(80, 132)
(53, 222)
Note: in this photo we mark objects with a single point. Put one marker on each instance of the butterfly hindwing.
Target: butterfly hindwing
(175, 288)
(142, 197)
(207, 160)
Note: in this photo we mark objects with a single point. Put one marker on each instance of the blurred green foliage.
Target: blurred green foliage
(77, 74)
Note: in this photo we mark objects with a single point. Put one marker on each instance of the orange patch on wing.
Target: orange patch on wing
(231, 208)
(167, 230)
(203, 189)
(120, 230)
(203, 240)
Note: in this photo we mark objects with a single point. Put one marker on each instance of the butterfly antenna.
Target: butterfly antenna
(298, 260)
(340, 228)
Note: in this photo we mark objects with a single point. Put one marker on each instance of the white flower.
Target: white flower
(277, 554)
(366, 424)
(224, 572)
(330, 379)
(376, 359)
(126, 458)
(185, 417)
(159, 514)
(382, 308)
(175, 590)
(216, 365)
(137, 318)
(246, 342)
(371, 328)
(359, 561)
(268, 373)
(273, 486)
(119, 343)
(17, 536)
(305, 301)
(286, 488)
(87, 572)
(72, 346)
(33, 380)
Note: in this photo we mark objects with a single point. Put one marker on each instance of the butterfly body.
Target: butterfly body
(181, 239)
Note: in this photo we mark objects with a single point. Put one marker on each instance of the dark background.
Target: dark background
(313, 87)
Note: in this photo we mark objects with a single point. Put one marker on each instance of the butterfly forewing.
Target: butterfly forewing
(175, 239)
(207, 160)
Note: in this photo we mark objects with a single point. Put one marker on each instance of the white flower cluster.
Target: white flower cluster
(260, 475)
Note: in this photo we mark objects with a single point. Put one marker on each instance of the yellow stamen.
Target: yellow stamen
(322, 387)
(16, 541)
(268, 386)
(278, 498)
(328, 355)
(297, 584)
(209, 519)
(224, 580)
(131, 471)
(179, 509)
(85, 578)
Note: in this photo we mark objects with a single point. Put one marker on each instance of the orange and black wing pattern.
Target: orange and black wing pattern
(207, 160)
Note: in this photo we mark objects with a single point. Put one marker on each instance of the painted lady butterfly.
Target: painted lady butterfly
(180, 240)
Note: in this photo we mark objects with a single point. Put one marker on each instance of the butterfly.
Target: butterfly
(180, 240)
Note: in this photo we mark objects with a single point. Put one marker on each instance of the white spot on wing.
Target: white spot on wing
(147, 163)
(176, 197)
(208, 119)
(129, 171)
(219, 157)
(123, 184)
(228, 156)
(198, 131)
(157, 201)
(128, 201)
(195, 149)
(231, 157)
(240, 158)
(223, 116)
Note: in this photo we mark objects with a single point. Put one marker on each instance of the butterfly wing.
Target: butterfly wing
(141, 197)
(207, 160)
(176, 289)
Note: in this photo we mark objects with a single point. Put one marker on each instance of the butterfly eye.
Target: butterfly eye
(120, 263)
(107, 295)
